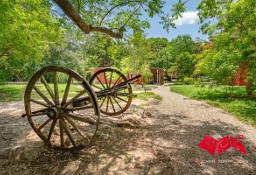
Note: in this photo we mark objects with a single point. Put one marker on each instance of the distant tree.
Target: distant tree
(182, 58)
(156, 46)
(139, 57)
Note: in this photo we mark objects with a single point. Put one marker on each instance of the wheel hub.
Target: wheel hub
(55, 112)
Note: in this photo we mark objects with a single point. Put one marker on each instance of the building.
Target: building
(158, 75)
(240, 77)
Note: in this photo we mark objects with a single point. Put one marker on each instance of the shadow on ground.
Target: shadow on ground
(167, 144)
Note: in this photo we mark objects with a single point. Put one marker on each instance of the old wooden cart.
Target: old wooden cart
(64, 109)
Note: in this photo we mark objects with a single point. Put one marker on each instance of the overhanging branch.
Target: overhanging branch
(70, 11)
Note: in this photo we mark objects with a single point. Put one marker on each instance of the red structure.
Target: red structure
(102, 78)
(240, 78)
(139, 81)
(158, 75)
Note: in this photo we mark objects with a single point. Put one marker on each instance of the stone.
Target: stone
(71, 168)
(25, 152)
(152, 101)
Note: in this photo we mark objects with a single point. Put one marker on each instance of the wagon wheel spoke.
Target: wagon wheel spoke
(61, 133)
(106, 81)
(52, 128)
(65, 96)
(117, 80)
(46, 85)
(117, 103)
(68, 132)
(107, 104)
(110, 99)
(121, 99)
(39, 102)
(42, 95)
(56, 90)
(43, 125)
(97, 87)
(74, 98)
(103, 101)
(110, 79)
(81, 119)
(77, 129)
(39, 112)
(100, 82)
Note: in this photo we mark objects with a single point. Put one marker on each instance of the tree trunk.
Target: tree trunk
(249, 88)
(18, 75)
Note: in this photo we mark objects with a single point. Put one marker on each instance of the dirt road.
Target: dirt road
(166, 143)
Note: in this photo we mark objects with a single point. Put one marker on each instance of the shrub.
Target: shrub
(188, 80)
(178, 83)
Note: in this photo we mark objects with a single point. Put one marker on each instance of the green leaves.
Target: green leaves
(26, 31)
(234, 37)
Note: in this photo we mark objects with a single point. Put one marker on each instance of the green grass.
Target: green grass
(16, 92)
(238, 105)
(147, 95)
(12, 92)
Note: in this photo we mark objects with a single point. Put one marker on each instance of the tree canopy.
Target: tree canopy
(234, 38)
(37, 33)
(27, 29)
(114, 17)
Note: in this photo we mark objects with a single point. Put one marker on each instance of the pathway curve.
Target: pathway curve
(191, 120)
(167, 143)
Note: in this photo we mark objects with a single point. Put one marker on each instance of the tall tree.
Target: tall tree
(236, 20)
(27, 28)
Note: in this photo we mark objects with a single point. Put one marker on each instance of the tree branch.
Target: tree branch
(110, 10)
(70, 11)
(135, 10)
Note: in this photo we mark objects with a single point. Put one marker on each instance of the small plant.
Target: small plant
(188, 80)
(147, 95)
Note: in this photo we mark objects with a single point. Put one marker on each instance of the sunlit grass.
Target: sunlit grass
(16, 92)
(238, 104)
(147, 95)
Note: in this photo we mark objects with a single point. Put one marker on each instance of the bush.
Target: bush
(188, 80)
(196, 83)
(178, 83)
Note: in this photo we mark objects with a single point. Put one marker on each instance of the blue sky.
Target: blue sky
(188, 24)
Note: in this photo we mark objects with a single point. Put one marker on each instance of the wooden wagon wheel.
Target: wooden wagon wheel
(54, 111)
(117, 101)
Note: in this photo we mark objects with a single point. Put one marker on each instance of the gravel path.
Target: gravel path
(189, 122)
(166, 144)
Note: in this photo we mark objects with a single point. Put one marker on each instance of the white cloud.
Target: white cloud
(189, 17)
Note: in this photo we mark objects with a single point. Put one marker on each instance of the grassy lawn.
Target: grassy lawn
(238, 105)
(16, 92)
(12, 92)
(147, 95)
